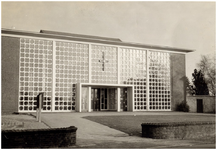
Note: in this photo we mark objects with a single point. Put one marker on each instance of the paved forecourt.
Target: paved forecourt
(94, 135)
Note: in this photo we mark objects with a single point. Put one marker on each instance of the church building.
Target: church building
(83, 73)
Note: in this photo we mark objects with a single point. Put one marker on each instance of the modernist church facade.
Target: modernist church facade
(79, 73)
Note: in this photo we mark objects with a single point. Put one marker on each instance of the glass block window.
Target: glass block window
(35, 73)
(133, 71)
(71, 67)
(159, 81)
(104, 64)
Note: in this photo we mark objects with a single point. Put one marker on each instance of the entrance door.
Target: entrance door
(199, 105)
(103, 99)
(99, 99)
(95, 99)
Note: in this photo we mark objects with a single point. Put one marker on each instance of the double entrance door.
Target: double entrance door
(103, 99)
(106, 99)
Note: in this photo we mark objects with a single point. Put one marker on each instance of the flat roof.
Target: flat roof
(89, 38)
(80, 35)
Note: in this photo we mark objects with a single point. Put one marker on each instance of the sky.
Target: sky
(188, 25)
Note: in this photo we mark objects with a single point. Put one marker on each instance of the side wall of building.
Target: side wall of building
(178, 92)
(10, 74)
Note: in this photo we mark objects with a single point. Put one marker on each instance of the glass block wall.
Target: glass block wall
(104, 64)
(35, 73)
(71, 67)
(159, 81)
(133, 71)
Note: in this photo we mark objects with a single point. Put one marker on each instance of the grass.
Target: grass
(132, 124)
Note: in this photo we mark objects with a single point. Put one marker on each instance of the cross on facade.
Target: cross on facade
(103, 61)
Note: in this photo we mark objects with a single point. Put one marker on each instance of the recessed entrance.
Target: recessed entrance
(98, 97)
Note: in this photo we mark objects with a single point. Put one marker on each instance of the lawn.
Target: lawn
(132, 124)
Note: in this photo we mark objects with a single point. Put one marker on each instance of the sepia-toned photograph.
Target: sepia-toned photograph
(108, 74)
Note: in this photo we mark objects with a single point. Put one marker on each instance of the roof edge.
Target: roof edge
(79, 35)
(86, 39)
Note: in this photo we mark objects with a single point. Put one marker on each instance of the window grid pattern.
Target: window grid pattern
(71, 68)
(159, 81)
(133, 71)
(104, 64)
(35, 73)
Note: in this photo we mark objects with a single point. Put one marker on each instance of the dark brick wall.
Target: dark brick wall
(39, 138)
(10, 74)
(178, 92)
(185, 130)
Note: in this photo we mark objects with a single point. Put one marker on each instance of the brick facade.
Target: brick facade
(179, 130)
(39, 138)
(10, 74)
(177, 79)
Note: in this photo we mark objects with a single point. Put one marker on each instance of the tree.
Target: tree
(189, 87)
(200, 86)
(207, 66)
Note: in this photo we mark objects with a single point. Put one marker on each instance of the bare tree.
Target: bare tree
(207, 66)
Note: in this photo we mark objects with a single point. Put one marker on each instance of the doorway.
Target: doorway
(103, 99)
(99, 99)
(95, 98)
(199, 105)
(91, 97)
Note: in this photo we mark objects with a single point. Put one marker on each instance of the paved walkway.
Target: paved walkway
(21, 121)
(94, 135)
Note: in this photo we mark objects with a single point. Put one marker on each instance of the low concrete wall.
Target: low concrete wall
(39, 138)
(179, 130)
(208, 103)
